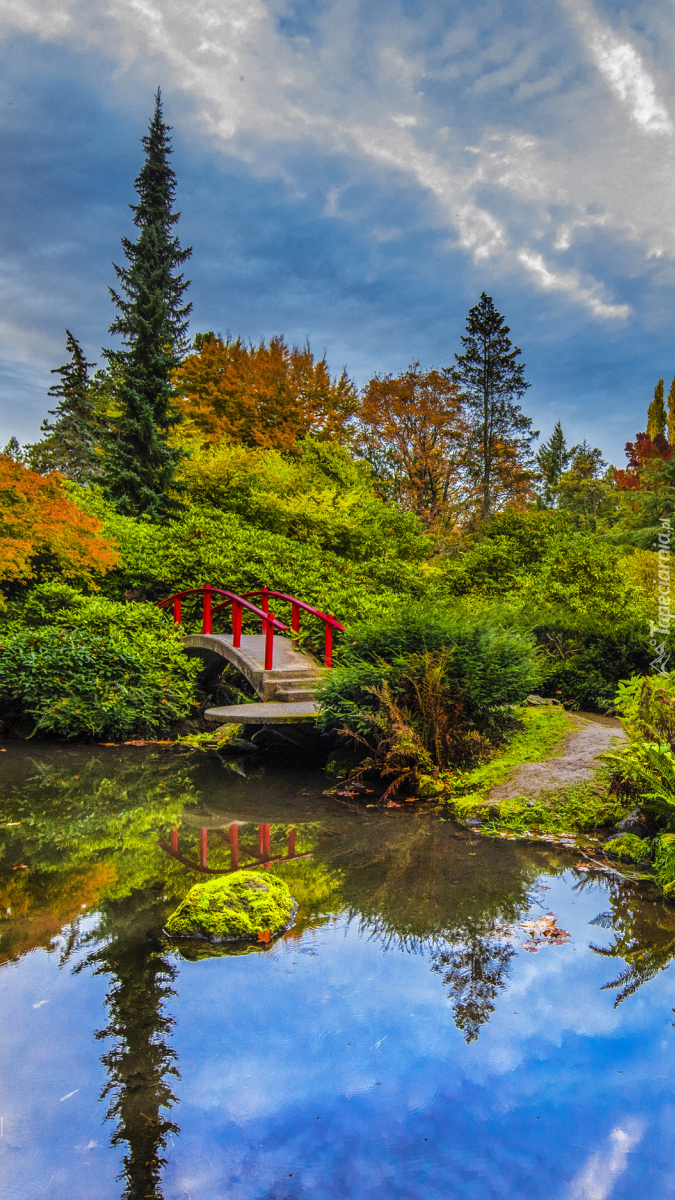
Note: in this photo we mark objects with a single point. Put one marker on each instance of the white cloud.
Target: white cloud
(571, 283)
(621, 65)
(596, 1179)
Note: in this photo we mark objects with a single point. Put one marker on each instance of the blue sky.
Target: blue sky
(355, 173)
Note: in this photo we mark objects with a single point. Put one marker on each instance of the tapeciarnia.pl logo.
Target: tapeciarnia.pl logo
(660, 662)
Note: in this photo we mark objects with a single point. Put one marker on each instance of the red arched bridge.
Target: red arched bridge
(280, 671)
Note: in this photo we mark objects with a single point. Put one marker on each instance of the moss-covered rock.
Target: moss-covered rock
(234, 907)
(629, 847)
(428, 787)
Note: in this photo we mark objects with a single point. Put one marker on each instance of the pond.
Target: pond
(447, 1017)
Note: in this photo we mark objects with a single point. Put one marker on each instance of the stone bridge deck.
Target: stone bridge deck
(286, 691)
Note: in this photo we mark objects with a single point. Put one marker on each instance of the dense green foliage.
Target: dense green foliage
(87, 667)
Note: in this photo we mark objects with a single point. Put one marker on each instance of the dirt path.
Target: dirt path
(576, 764)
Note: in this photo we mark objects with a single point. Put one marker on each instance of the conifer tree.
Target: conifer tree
(69, 442)
(656, 413)
(152, 320)
(490, 379)
(671, 414)
(553, 458)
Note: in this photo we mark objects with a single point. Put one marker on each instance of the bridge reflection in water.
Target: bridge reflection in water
(253, 856)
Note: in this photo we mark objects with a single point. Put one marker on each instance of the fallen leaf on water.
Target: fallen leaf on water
(265, 936)
(392, 804)
(20, 867)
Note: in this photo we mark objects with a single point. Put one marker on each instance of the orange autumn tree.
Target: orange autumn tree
(270, 396)
(413, 433)
(43, 535)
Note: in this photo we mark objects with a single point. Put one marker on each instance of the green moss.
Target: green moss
(429, 788)
(240, 905)
(573, 810)
(628, 846)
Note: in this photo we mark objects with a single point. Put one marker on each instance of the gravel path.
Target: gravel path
(576, 764)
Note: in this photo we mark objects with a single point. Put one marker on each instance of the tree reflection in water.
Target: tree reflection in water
(141, 1060)
(475, 971)
(644, 936)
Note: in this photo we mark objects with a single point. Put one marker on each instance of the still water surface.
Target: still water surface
(414, 1035)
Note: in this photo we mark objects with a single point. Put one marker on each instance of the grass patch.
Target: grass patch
(540, 736)
(577, 809)
(572, 810)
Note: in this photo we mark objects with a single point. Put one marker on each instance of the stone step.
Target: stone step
(273, 712)
(291, 695)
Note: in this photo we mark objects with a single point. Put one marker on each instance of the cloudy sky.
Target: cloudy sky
(355, 173)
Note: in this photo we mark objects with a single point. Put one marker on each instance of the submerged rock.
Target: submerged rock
(238, 907)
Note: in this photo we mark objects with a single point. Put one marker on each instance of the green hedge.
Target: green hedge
(488, 665)
(84, 667)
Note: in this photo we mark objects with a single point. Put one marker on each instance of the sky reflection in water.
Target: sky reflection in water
(399, 1042)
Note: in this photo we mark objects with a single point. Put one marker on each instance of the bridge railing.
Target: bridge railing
(328, 619)
(269, 621)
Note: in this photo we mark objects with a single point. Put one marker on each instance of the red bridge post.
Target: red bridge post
(207, 626)
(328, 644)
(176, 611)
(269, 641)
(236, 624)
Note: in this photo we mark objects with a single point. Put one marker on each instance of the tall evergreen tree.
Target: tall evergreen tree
(671, 414)
(152, 320)
(553, 458)
(656, 413)
(69, 442)
(491, 381)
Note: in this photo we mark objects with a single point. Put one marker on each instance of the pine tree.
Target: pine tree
(69, 442)
(656, 413)
(490, 379)
(671, 414)
(140, 463)
(13, 450)
(553, 458)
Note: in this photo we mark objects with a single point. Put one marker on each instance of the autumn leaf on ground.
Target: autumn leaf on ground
(264, 936)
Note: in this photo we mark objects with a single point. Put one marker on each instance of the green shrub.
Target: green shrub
(485, 666)
(647, 704)
(587, 659)
(87, 667)
(321, 495)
